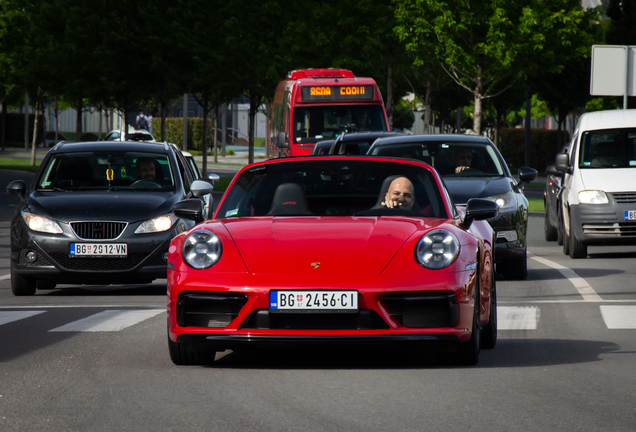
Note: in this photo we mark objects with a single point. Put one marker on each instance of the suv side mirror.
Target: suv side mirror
(562, 163)
(190, 209)
(479, 209)
(281, 140)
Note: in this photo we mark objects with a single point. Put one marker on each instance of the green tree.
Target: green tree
(485, 47)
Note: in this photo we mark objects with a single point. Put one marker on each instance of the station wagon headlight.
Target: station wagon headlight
(202, 249)
(437, 249)
(158, 224)
(593, 197)
(41, 224)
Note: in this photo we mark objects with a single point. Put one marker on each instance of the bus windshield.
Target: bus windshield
(317, 123)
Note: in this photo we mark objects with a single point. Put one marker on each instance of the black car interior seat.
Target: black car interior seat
(289, 199)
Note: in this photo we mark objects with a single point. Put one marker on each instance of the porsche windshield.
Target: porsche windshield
(450, 159)
(608, 148)
(338, 187)
(313, 124)
(107, 170)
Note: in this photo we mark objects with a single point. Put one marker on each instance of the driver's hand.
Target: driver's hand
(391, 204)
(460, 169)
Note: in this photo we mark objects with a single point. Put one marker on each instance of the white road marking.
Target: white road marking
(517, 318)
(619, 317)
(110, 320)
(581, 285)
(7, 317)
(3, 277)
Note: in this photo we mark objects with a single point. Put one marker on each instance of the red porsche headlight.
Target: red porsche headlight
(437, 249)
(202, 249)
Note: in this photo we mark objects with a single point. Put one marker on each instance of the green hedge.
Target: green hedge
(544, 146)
(15, 128)
(174, 131)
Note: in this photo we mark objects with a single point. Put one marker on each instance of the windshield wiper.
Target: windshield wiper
(55, 189)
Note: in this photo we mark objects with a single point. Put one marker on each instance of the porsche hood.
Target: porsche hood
(308, 245)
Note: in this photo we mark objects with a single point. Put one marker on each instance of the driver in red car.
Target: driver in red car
(146, 169)
(462, 157)
(400, 194)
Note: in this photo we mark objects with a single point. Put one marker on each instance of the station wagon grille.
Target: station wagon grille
(620, 229)
(98, 230)
(97, 264)
(625, 197)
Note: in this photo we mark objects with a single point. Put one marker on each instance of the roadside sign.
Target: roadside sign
(613, 69)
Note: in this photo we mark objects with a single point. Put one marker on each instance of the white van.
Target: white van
(599, 198)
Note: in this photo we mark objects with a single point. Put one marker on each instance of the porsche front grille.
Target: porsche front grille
(97, 230)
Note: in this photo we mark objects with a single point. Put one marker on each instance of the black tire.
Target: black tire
(468, 352)
(22, 285)
(516, 268)
(566, 239)
(577, 249)
(560, 230)
(550, 232)
(489, 331)
(183, 357)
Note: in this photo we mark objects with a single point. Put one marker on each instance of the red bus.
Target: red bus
(319, 104)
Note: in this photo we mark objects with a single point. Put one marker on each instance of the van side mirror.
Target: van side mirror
(281, 140)
(479, 209)
(552, 171)
(562, 163)
(190, 209)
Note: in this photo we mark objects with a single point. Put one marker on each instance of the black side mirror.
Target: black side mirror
(281, 140)
(17, 188)
(562, 163)
(479, 209)
(552, 171)
(526, 174)
(190, 209)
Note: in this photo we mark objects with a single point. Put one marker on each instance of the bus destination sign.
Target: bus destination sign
(328, 93)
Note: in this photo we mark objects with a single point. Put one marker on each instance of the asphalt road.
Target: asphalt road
(565, 360)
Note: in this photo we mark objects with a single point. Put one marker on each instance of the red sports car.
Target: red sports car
(333, 250)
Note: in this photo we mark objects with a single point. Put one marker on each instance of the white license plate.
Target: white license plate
(99, 249)
(313, 301)
(630, 214)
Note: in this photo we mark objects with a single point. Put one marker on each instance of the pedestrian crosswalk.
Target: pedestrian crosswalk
(113, 320)
(105, 321)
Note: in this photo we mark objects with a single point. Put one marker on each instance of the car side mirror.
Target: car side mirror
(190, 209)
(479, 209)
(281, 140)
(526, 174)
(562, 163)
(552, 171)
(213, 178)
(17, 188)
(200, 188)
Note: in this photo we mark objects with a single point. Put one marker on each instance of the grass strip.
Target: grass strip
(18, 165)
(536, 205)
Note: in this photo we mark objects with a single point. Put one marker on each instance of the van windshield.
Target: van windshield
(608, 148)
(313, 124)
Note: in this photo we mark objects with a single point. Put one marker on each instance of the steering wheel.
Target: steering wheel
(469, 171)
(145, 184)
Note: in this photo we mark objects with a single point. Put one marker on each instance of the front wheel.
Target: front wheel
(183, 357)
(577, 249)
(22, 285)
(468, 352)
(489, 331)
(550, 233)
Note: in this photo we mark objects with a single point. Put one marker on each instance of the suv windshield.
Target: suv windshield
(104, 170)
(450, 159)
(329, 188)
(608, 148)
(313, 124)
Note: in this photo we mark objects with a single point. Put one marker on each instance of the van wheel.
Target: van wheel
(577, 249)
(550, 233)
(566, 238)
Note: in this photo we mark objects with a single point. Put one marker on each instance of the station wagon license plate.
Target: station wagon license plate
(630, 214)
(313, 301)
(99, 249)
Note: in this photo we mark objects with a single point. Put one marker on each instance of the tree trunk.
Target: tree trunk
(35, 128)
(268, 125)
(101, 112)
(78, 119)
(389, 96)
(528, 127)
(427, 108)
(4, 123)
(162, 107)
(442, 126)
(216, 119)
(255, 102)
(205, 138)
(477, 112)
(57, 122)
